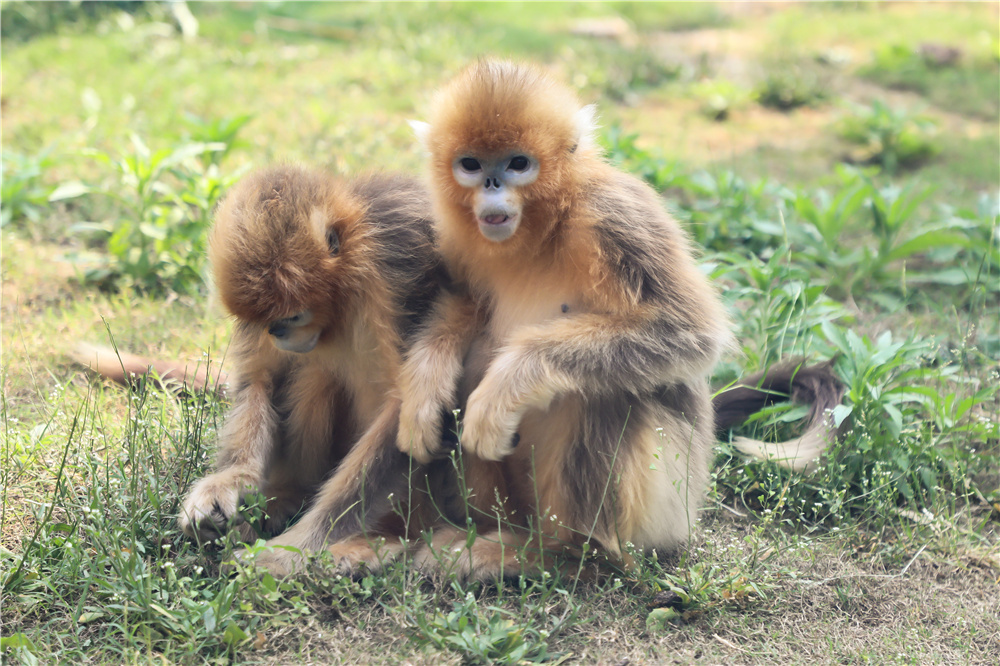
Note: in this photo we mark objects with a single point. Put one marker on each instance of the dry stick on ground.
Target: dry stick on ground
(813, 583)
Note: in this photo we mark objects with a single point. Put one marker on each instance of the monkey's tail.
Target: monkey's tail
(815, 385)
(129, 369)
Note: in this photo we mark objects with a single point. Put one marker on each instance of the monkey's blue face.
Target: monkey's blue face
(295, 333)
(494, 180)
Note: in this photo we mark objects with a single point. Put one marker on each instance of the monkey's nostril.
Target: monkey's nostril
(278, 330)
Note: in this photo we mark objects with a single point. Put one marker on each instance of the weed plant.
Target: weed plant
(790, 85)
(718, 98)
(157, 239)
(955, 75)
(892, 138)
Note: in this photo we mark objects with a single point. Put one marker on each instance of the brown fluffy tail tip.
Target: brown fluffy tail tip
(815, 385)
(127, 369)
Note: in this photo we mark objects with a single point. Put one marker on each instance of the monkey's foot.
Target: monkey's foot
(213, 504)
(363, 554)
(449, 555)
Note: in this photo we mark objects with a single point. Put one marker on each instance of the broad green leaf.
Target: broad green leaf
(152, 231)
(896, 418)
(841, 412)
(68, 190)
(233, 635)
(949, 276)
(17, 640)
(929, 239)
(89, 616)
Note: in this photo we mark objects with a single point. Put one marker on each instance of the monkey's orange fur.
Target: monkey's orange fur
(339, 272)
(599, 333)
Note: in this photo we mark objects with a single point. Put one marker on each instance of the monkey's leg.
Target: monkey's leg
(662, 483)
(246, 443)
(588, 354)
(429, 377)
(432, 489)
(286, 491)
(358, 494)
(608, 470)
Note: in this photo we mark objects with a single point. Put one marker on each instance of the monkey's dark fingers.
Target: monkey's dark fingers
(217, 523)
(207, 524)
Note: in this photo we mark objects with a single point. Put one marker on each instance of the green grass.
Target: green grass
(887, 554)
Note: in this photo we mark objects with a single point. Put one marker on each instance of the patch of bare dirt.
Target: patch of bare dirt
(675, 126)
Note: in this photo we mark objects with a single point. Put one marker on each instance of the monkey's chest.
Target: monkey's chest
(528, 303)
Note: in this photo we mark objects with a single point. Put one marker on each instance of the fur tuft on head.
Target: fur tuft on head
(499, 104)
(420, 130)
(586, 125)
(271, 245)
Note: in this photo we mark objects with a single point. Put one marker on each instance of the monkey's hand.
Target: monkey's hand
(488, 429)
(516, 380)
(494, 410)
(428, 379)
(213, 503)
(419, 432)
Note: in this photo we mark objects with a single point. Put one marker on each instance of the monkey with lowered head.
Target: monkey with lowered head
(590, 336)
(327, 279)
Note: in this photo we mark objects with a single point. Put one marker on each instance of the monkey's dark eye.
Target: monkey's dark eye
(333, 242)
(469, 164)
(518, 163)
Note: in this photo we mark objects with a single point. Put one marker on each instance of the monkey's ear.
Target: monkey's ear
(421, 130)
(317, 223)
(585, 121)
(326, 233)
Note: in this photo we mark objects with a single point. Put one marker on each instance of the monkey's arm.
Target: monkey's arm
(429, 377)
(246, 442)
(633, 352)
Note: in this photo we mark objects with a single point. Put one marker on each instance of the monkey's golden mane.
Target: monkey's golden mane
(269, 246)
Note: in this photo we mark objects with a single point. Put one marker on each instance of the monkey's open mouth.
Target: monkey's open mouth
(494, 220)
(498, 227)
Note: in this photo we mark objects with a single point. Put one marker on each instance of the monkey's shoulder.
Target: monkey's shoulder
(637, 241)
(620, 199)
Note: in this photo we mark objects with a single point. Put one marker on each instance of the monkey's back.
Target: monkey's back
(401, 228)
